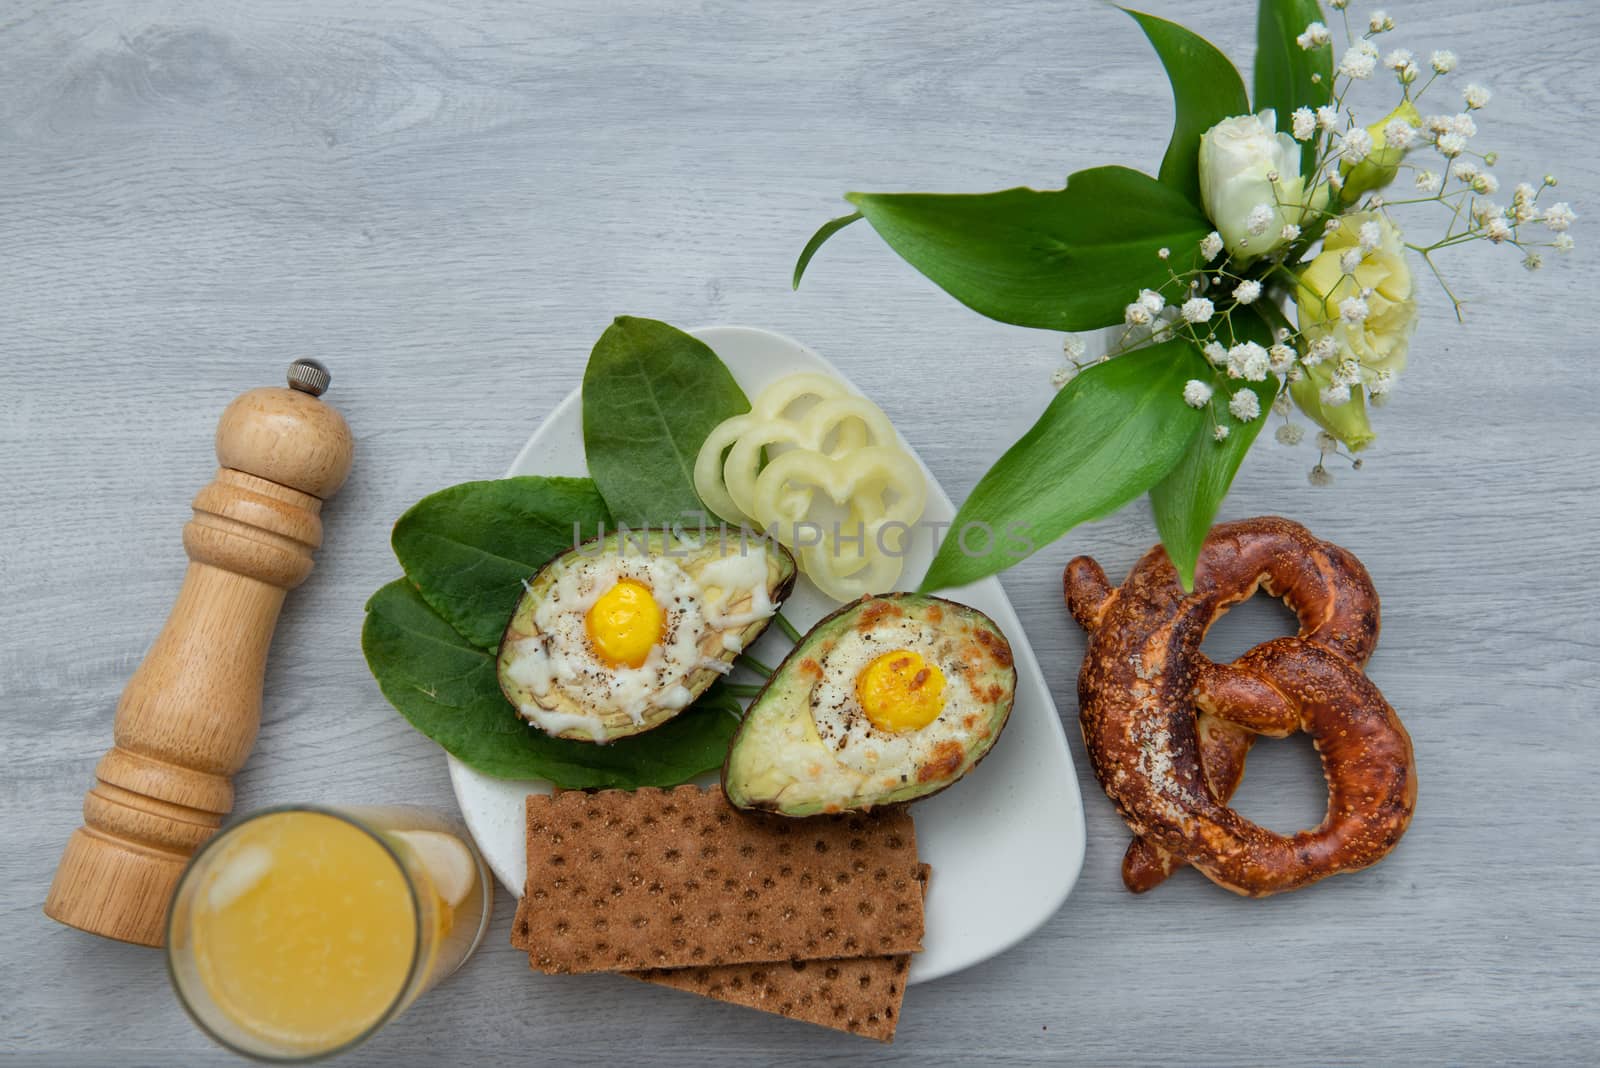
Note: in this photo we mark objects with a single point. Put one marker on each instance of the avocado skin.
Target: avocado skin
(789, 571)
(838, 622)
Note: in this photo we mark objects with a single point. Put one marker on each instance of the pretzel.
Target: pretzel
(1168, 730)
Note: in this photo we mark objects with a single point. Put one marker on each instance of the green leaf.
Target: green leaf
(1067, 259)
(1185, 502)
(651, 395)
(1205, 89)
(1288, 76)
(469, 548)
(1111, 434)
(827, 230)
(446, 688)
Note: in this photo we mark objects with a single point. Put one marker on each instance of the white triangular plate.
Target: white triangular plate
(1006, 843)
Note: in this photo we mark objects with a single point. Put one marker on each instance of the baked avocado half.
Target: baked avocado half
(889, 699)
(620, 634)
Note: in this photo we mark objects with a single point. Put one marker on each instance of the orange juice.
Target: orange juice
(298, 932)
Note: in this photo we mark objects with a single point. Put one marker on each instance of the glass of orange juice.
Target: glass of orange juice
(297, 932)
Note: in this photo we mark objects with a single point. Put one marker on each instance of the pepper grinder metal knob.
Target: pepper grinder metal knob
(189, 715)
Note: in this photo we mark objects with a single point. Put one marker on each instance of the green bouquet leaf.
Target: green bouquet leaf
(651, 395)
(445, 686)
(1064, 259)
(1205, 89)
(1186, 501)
(1111, 434)
(1288, 76)
(469, 548)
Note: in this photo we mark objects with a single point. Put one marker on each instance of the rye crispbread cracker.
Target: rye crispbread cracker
(861, 995)
(624, 881)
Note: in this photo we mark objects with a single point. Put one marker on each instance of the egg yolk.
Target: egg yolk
(901, 691)
(624, 624)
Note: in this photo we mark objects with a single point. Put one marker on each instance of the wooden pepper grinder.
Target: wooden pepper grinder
(190, 713)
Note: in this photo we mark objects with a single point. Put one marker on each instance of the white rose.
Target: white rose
(1250, 182)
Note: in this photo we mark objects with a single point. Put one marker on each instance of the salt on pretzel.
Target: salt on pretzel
(1168, 730)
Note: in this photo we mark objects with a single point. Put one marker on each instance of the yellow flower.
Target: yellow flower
(1383, 162)
(1355, 300)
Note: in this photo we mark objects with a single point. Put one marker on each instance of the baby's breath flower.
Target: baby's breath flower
(1247, 291)
(1315, 36)
(1327, 117)
(1476, 96)
(1290, 434)
(1210, 246)
(1562, 243)
(1353, 310)
(1359, 61)
(1428, 181)
(1355, 145)
(1219, 432)
(1464, 172)
(1163, 252)
(1321, 349)
(1279, 357)
(1244, 405)
(1330, 226)
(1533, 261)
(1338, 5)
(1348, 373)
(1380, 22)
(1484, 210)
(1550, 180)
(1451, 145)
(1248, 361)
(1282, 404)
(1073, 347)
(1491, 158)
(1259, 219)
(1197, 310)
(1062, 376)
(1196, 394)
(1153, 302)
(1443, 61)
(1136, 314)
(1398, 133)
(1497, 229)
(1379, 383)
(1326, 442)
(1370, 236)
(1215, 354)
(1559, 216)
(1290, 232)
(1320, 476)
(1486, 184)
(1304, 124)
(1350, 260)
(1399, 58)
(1463, 124)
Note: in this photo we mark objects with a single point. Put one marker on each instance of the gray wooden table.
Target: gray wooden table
(448, 202)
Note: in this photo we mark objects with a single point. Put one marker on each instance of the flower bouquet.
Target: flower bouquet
(1261, 270)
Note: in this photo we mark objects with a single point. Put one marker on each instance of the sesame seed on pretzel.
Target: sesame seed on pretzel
(1168, 730)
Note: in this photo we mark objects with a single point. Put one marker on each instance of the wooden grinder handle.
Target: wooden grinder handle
(190, 713)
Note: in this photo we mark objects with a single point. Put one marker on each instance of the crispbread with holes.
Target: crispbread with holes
(861, 995)
(624, 881)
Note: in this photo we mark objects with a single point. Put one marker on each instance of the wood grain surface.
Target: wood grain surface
(447, 202)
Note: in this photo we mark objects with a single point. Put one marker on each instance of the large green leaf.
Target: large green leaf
(1111, 434)
(1288, 76)
(1067, 259)
(651, 395)
(469, 548)
(1185, 502)
(446, 688)
(1205, 89)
